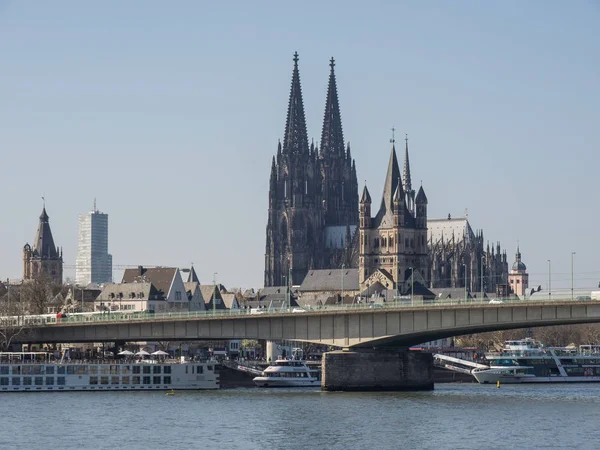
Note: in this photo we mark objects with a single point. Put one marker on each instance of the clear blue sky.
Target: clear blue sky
(169, 113)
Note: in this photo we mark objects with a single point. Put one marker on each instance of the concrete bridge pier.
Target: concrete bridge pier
(378, 369)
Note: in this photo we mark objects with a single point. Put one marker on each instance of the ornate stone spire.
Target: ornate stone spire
(332, 136)
(295, 139)
(392, 181)
(43, 245)
(406, 172)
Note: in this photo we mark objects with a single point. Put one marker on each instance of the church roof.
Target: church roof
(392, 181)
(436, 228)
(192, 277)
(332, 136)
(330, 280)
(295, 138)
(43, 245)
(421, 197)
(366, 197)
(406, 172)
(160, 277)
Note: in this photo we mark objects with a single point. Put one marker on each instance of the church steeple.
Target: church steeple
(295, 139)
(332, 136)
(392, 181)
(43, 245)
(406, 172)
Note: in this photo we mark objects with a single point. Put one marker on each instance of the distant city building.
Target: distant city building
(315, 221)
(93, 263)
(43, 259)
(518, 278)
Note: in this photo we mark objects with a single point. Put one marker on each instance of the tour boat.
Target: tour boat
(36, 371)
(528, 361)
(288, 373)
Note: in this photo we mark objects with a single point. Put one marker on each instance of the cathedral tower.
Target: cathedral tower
(295, 218)
(44, 259)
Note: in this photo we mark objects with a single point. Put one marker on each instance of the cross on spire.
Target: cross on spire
(393, 139)
(296, 58)
(332, 63)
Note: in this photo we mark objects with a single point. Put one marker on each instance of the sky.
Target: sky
(169, 113)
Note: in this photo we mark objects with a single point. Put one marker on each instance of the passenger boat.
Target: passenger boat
(288, 373)
(37, 371)
(528, 361)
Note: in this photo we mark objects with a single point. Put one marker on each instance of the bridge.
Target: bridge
(398, 324)
(374, 337)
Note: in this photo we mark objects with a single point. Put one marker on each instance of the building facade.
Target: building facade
(43, 259)
(93, 263)
(518, 278)
(313, 194)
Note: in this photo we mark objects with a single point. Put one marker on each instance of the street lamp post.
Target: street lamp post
(572, 255)
(213, 293)
(549, 280)
(343, 269)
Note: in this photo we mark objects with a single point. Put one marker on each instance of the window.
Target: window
(3, 370)
(200, 369)
(146, 369)
(167, 380)
(125, 370)
(167, 369)
(93, 370)
(49, 381)
(125, 380)
(93, 380)
(39, 381)
(209, 368)
(27, 381)
(3, 381)
(156, 369)
(103, 380)
(376, 243)
(135, 380)
(16, 381)
(114, 380)
(156, 380)
(146, 380)
(136, 369)
(178, 295)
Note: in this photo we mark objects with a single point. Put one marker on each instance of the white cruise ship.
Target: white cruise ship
(35, 371)
(528, 361)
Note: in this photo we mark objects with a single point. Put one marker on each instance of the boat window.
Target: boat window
(39, 381)
(27, 381)
(93, 379)
(3, 370)
(167, 369)
(167, 380)
(156, 369)
(146, 380)
(104, 380)
(16, 370)
(49, 370)
(136, 369)
(114, 380)
(114, 369)
(3, 381)
(49, 381)
(156, 380)
(209, 368)
(125, 380)
(103, 370)
(146, 370)
(60, 370)
(200, 369)
(135, 380)
(93, 370)
(125, 370)
(16, 381)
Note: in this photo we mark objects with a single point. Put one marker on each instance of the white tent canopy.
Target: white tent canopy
(125, 352)
(160, 353)
(142, 353)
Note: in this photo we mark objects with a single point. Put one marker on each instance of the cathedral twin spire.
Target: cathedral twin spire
(295, 139)
(332, 136)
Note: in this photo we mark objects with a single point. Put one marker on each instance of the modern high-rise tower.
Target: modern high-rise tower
(94, 263)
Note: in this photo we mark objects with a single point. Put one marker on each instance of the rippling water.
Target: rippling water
(467, 416)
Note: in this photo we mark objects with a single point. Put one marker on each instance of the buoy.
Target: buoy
(498, 384)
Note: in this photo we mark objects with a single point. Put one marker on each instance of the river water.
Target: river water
(454, 416)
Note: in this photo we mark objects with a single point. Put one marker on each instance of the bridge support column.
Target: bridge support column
(381, 369)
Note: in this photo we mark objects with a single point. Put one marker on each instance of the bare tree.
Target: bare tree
(11, 318)
(36, 294)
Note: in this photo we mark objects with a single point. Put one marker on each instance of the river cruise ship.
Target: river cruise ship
(528, 361)
(36, 371)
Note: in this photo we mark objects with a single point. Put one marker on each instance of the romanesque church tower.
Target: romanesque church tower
(393, 244)
(44, 258)
(313, 195)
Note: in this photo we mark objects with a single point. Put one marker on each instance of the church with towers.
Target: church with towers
(43, 259)
(317, 226)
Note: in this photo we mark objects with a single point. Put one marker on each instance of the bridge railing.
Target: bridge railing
(366, 304)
